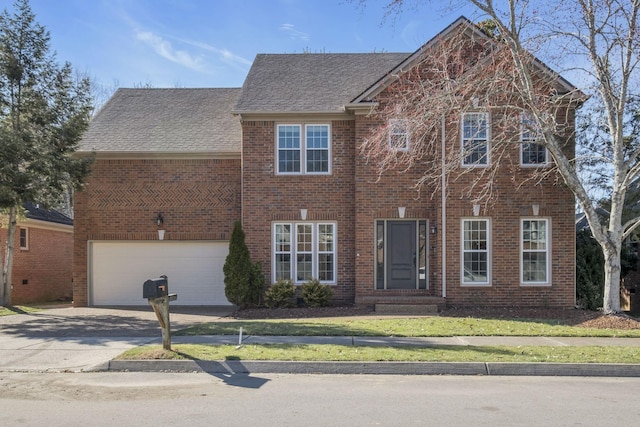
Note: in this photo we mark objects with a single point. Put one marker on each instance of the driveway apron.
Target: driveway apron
(83, 339)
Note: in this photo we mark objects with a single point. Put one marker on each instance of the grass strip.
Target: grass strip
(405, 327)
(17, 309)
(315, 352)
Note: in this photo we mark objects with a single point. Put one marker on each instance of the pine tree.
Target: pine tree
(44, 111)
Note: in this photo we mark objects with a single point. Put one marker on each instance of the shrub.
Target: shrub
(315, 294)
(243, 280)
(590, 270)
(280, 294)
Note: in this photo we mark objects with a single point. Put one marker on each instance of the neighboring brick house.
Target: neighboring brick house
(287, 163)
(42, 258)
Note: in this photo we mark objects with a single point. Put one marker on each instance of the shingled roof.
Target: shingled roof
(311, 82)
(37, 212)
(166, 121)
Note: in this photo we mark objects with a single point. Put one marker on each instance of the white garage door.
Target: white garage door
(193, 269)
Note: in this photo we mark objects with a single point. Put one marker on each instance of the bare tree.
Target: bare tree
(500, 72)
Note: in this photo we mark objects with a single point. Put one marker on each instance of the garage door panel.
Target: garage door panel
(194, 270)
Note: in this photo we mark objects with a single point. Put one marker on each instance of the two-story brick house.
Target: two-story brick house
(283, 155)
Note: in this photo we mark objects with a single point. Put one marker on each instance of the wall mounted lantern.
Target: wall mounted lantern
(159, 219)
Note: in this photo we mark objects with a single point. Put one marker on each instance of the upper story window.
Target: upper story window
(302, 150)
(24, 238)
(475, 139)
(532, 153)
(399, 134)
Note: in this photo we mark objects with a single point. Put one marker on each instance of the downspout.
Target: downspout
(443, 202)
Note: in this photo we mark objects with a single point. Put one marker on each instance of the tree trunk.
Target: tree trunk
(612, 269)
(5, 282)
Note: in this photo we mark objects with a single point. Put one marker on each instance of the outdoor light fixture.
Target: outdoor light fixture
(159, 219)
(434, 229)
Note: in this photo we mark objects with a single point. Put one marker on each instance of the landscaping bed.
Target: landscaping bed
(574, 317)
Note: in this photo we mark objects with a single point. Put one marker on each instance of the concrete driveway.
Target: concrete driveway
(71, 339)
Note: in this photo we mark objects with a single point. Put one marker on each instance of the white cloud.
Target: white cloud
(224, 55)
(165, 49)
(294, 34)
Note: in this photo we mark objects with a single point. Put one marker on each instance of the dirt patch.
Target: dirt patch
(574, 317)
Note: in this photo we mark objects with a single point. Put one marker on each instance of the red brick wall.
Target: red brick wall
(378, 198)
(268, 197)
(198, 198)
(42, 272)
(514, 200)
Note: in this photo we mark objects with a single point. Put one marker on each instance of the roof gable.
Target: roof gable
(165, 121)
(473, 31)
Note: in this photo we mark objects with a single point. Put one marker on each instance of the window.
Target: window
(304, 251)
(475, 251)
(532, 153)
(535, 251)
(399, 134)
(307, 152)
(24, 238)
(475, 139)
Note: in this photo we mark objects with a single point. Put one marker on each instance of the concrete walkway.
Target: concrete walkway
(87, 339)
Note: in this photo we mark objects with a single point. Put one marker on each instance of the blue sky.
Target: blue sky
(211, 43)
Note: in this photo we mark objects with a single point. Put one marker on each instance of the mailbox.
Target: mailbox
(155, 288)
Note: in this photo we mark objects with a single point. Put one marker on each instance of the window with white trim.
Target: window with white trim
(304, 251)
(399, 134)
(307, 152)
(24, 239)
(535, 251)
(475, 251)
(475, 139)
(531, 152)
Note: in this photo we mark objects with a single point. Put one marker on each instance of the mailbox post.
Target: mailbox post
(157, 293)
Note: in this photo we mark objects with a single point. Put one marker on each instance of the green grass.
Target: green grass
(404, 327)
(17, 309)
(292, 352)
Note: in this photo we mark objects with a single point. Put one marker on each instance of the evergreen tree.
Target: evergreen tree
(243, 280)
(44, 111)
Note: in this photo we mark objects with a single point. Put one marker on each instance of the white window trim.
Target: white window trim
(487, 283)
(406, 133)
(303, 149)
(315, 251)
(26, 239)
(548, 251)
(524, 141)
(487, 141)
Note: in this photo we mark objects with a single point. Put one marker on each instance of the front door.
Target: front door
(401, 250)
(401, 254)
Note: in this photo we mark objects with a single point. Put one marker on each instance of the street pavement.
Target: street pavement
(71, 339)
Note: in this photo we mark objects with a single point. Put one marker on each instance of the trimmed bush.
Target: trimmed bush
(280, 295)
(315, 294)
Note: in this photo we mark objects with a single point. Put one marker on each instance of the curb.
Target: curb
(379, 368)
